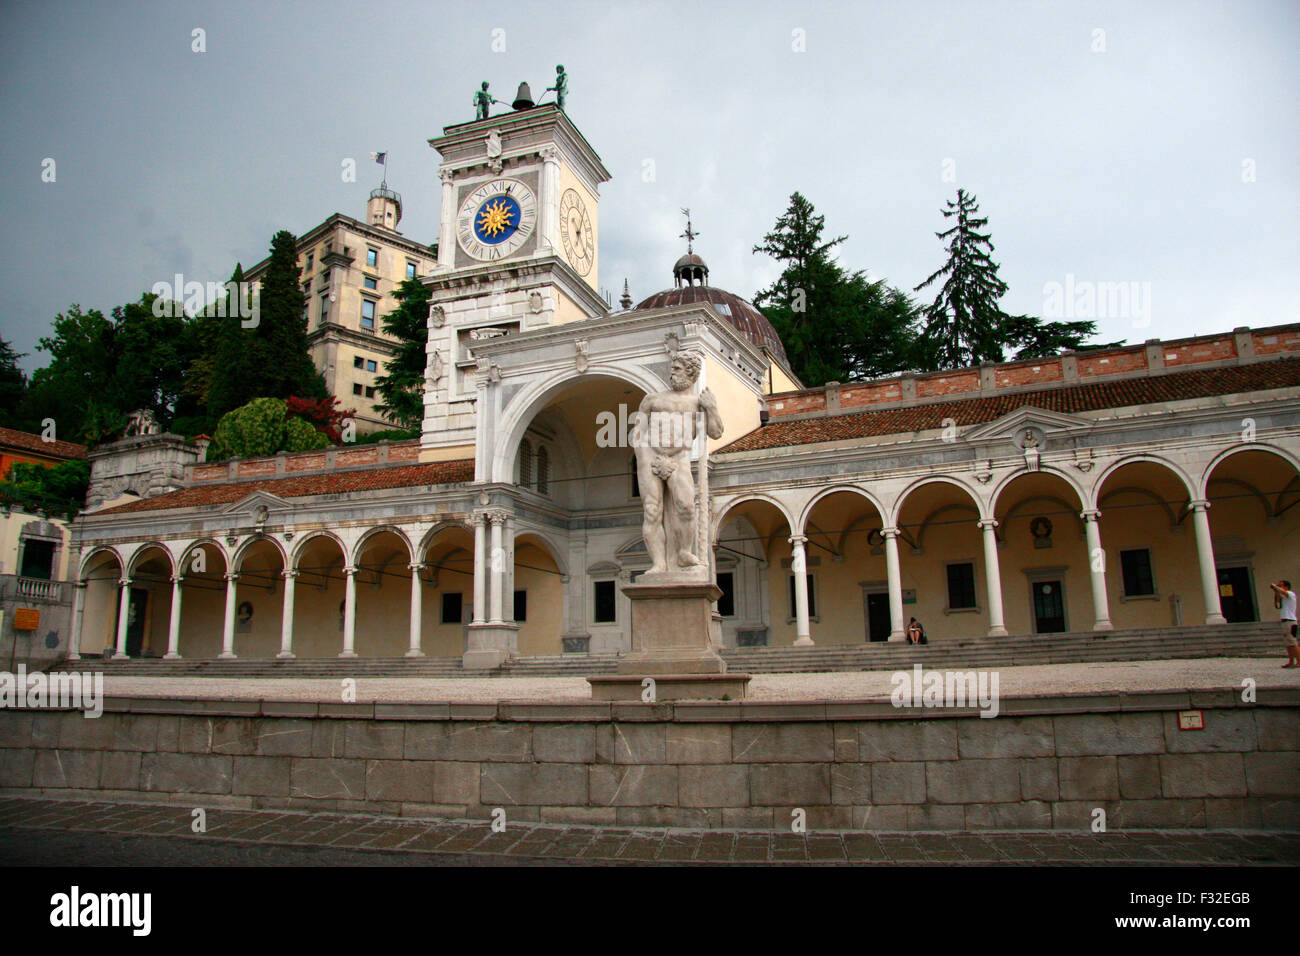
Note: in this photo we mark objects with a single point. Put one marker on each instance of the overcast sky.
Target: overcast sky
(1149, 143)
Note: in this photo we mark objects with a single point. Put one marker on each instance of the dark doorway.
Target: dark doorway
(1049, 607)
(878, 624)
(1236, 596)
(136, 608)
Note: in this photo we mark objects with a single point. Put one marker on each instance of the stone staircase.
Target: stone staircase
(1167, 643)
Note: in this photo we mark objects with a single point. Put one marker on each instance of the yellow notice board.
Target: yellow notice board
(26, 619)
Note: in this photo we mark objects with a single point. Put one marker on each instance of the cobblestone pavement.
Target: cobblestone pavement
(1033, 680)
(385, 840)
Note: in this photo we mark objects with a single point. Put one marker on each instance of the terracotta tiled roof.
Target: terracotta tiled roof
(1069, 399)
(372, 479)
(11, 438)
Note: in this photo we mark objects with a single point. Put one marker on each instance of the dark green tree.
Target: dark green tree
(836, 325)
(58, 490)
(267, 358)
(965, 324)
(203, 342)
(13, 388)
(402, 385)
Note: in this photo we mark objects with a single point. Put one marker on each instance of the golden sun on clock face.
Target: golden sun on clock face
(496, 219)
(576, 232)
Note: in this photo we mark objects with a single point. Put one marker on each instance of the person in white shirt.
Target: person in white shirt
(1283, 590)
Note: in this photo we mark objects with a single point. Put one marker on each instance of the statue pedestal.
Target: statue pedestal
(672, 642)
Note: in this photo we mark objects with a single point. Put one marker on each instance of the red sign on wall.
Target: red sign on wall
(26, 619)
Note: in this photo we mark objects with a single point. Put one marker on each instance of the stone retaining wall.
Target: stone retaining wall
(1044, 763)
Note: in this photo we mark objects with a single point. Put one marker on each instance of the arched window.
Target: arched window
(526, 463)
(543, 470)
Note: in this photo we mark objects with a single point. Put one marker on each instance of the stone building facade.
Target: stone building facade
(1138, 487)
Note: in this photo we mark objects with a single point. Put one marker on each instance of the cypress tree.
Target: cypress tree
(402, 385)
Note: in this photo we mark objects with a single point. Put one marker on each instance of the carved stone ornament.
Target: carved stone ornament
(671, 343)
(580, 360)
(494, 151)
(437, 316)
(534, 302)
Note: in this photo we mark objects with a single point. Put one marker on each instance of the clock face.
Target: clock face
(576, 232)
(496, 219)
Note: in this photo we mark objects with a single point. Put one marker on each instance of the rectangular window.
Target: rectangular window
(38, 560)
(961, 586)
(410, 270)
(727, 603)
(310, 258)
(324, 309)
(372, 257)
(306, 287)
(358, 362)
(1136, 565)
(370, 392)
(604, 602)
(451, 607)
(367, 314)
(371, 366)
(356, 389)
(521, 606)
(812, 597)
(370, 282)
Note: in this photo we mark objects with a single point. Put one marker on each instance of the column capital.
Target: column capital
(1200, 504)
(478, 518)
(1090, 514)
(81, 585)
(890, 532)
(415, 568)
(124, 582)
(987, 524)
(177, 578)
(798, 540)
(290, 573)
(446, 175)
(350, 571)
(498, 516)
(231, 575)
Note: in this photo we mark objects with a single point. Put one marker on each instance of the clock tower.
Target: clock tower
(517, 250)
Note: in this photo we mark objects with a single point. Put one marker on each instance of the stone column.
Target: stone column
(78, 609)
(1209, 571)
(123, 609)
(447, 232)
(799, 567)
(1097, 564)
(480, 568)
(508, 580)
(349, 614)
(897, 632)
(549, 199)
(286, 615)
(417, 609)
(993, 578)
(228, 628)
(497, 567)
(174, 625)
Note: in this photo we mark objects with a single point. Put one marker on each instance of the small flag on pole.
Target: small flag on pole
(379, 157)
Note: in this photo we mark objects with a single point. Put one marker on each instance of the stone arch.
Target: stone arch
(448, 524)
(721, 512)
(984, 509)
(1021, 505)
(1140, 492)
(931, 519)
(1090, 499)
(144, 548)
(96, 552)
(548, 544)
(1239, 448)
(207, 542)
(835, 489)
(1085, 496)
(359, 548)
(242, 549)
(311, 536)
(532, 399)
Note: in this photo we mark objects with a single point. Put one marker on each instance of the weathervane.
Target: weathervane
(690, 234)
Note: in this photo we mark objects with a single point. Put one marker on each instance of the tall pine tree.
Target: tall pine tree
(269, 359)
(965, 325)
(13, 388)
(835, 325)
(402, 385)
